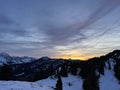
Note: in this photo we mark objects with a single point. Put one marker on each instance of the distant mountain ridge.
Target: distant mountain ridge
(7, 59)
(47, 63)
(95, 73)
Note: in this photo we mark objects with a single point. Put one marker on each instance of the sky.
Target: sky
(77, 29)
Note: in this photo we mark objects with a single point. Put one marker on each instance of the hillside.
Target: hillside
(100, 73)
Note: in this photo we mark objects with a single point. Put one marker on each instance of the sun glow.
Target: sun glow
(72, 54)
(71, 57)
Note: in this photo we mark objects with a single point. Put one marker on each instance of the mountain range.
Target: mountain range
(95, 73)
(7, 59)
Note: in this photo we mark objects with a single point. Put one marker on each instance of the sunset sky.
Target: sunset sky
(77, 29)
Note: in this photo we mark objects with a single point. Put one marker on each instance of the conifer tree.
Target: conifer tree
(63, 71)
(6, 73)
(117, 70)
(59, 82)
(91, 82)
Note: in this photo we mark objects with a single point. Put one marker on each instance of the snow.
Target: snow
(75, 81)
(23, 59)
(2, 61)
(3, 58)
(111, 62)
(7, 59)
(45, 84)
(4, 54)
(17, 85)
(108, 81)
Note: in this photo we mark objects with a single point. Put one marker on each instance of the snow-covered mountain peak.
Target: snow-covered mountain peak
(7, 59)
(4, 54)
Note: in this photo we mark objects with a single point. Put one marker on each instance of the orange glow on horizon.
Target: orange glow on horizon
(84, 58)
(72, 57)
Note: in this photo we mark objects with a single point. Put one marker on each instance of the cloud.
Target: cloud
(75, 31)
(44, 27)
(10, 26)
(106, 7)
(5, 20)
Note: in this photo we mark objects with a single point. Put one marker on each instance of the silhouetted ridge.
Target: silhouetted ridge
(90, 71)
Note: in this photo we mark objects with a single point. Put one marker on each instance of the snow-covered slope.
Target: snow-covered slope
(46, 84)
(108, 81)
(17, 85)
(102, 73)
(69, 83)
(7, 59)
